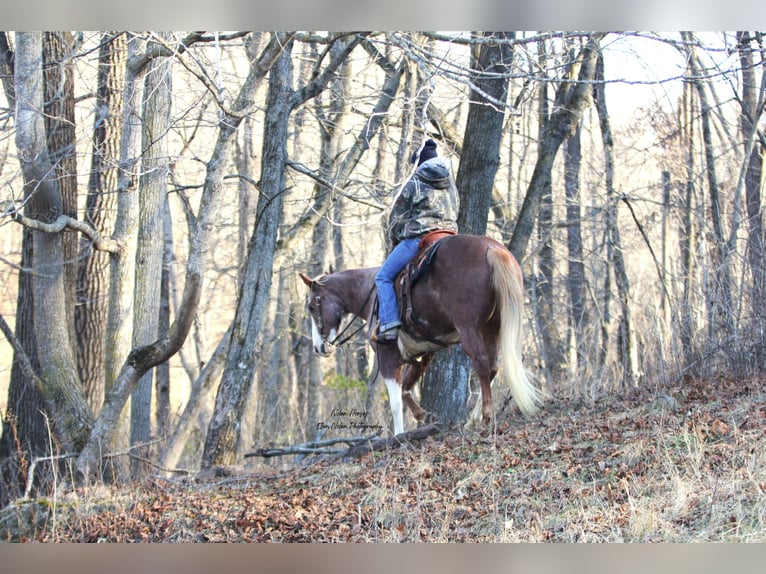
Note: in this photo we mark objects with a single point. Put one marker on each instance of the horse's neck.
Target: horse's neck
(358, 288)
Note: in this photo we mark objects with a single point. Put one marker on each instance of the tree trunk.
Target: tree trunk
(752, 106)
(665, 301)
(553, 349)
(688, 231)
(91, 310)
(162, 372)
(720, 320)
(63, 393)
(223, 436)
(150, 244)
(58, 72)
(576, 282)
(445, 384)
(627, 342)
(119, 327)
(25, 417)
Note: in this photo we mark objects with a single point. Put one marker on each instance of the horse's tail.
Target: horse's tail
(509, 294)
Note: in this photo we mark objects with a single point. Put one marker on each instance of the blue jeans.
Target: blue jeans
(384, 280)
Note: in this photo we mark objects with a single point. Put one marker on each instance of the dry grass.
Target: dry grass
(630, 469)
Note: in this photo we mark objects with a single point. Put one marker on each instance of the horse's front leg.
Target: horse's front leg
(394, 388)
(389, 365)
(411, 372)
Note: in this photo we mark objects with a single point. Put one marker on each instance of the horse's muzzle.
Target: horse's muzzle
(324, 349)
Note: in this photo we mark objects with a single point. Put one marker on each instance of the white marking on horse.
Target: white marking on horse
(316, 338)
(395, 400)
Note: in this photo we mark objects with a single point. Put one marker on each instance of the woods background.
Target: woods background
(161, 192)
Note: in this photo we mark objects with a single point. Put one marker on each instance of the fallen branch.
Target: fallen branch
(314, 447)
(420, 433)
(358, 446)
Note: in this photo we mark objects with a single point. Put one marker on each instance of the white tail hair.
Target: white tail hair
(509, 293)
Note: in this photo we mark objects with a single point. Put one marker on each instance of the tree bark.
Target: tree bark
(576, 281)
(25, 416)
(151, 240)
(58, 72)
(688, 231)
(91, 310)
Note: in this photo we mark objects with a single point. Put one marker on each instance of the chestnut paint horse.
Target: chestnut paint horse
(472, 294)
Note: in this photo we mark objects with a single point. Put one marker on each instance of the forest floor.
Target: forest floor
(686, 466)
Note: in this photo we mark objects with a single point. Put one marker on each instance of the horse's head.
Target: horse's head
(326, 312)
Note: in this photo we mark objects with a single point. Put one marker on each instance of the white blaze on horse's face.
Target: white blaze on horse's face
(321, 345)
(316, 338)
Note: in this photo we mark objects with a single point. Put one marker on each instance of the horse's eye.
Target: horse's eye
(311, 308)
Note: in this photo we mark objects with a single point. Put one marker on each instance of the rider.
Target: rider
(428, 201)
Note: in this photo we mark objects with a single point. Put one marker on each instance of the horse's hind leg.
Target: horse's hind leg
(482, 350)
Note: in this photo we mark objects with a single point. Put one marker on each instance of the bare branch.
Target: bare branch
(64, 221)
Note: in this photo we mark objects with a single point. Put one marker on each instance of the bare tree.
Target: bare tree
(223, 434)
(627, 342)
(719, 298)
(150, 242)
(571, 98)
(445, 384)
(222, 441)
(141, 359)
(752, 109)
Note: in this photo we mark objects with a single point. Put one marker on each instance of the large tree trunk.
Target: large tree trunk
(119, 326)
(151, 240)
(25, 416)
(91, 310)
(445, 384)
(71, 416)
(58, 72)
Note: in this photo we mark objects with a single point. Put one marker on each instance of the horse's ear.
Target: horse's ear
(306, 279)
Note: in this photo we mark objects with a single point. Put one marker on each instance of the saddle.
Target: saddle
(417, 270)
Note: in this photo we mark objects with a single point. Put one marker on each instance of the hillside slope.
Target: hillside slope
(691, 467)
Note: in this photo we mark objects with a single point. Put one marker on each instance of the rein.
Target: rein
(335, 342)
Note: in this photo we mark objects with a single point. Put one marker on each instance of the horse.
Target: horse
(472, 293)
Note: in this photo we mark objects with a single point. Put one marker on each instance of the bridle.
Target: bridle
(320, 322)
